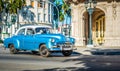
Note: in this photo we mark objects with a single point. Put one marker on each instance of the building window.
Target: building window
(39, 17)
(49, 12)
(32, 3)
(44, 4)
(40, 3)
(44, 17)
(49, 18)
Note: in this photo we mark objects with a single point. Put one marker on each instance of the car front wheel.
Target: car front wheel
(44, 51)
(12, 49)
(67, 53)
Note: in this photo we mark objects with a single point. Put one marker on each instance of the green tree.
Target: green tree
(66, 9)
(1, 5)
(14, 5)
(61, 15)
(11, 8)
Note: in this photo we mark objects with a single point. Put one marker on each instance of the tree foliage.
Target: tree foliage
(11, 6)
(64, 9)
(1, 5)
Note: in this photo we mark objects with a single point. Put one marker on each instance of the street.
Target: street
(26, 61)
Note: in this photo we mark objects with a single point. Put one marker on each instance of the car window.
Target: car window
(30, 31)
(43, 30)
(21, 32)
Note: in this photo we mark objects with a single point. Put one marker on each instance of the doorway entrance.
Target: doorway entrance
(98, 27)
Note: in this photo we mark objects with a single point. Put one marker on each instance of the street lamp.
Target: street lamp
(57, 11)
(90, 6)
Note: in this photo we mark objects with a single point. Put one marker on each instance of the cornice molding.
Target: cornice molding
(76, 2)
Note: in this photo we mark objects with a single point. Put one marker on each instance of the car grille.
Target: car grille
(67, 43)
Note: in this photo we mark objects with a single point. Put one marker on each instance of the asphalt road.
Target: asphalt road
(26, 61)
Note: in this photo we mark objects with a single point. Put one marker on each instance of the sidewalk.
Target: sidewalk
(99, 50)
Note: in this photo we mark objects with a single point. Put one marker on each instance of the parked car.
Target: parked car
(40, 39)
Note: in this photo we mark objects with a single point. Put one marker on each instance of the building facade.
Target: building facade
(38, 11)
(34, 12)
(105, 23)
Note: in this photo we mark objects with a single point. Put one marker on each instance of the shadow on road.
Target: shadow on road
(100, 60)
(73, 69)
(58, 54)
(90, 63)
(105, 51)
(64, 69)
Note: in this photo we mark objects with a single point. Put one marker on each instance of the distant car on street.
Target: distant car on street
(39, 39)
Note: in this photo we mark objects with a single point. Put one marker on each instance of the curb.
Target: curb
(98, 51)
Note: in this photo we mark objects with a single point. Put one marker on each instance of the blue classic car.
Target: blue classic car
(39, 39)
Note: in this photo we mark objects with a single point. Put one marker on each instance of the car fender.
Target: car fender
(10, 41)
(16, 43)
(42, 41)
(6, 42)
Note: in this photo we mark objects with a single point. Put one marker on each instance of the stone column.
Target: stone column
(75, 24)
(77, 27)
(109, 27)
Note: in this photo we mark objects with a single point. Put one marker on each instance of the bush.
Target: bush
(1, 41)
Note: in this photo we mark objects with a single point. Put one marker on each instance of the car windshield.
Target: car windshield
(43, 30)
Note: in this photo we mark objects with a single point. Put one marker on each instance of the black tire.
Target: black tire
(12, 49)
(44, 51)
(67, 53)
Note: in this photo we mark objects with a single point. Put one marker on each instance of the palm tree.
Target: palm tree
(66, 10)
(61, 15)
(69, 14)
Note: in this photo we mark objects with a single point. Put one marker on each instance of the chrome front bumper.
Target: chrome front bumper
(66, 47)
(63, 47)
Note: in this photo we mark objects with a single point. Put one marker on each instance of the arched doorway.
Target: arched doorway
(98, 26)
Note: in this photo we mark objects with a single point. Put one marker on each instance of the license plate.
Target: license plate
(66, 48)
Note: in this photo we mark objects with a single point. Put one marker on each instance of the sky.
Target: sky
(59, 1)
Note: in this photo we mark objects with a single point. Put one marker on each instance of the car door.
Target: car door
(29, 39)
(20, 37)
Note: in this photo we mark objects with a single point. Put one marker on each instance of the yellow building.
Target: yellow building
(105, 23)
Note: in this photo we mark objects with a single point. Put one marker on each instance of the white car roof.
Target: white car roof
(32, 26)
(35, 26)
